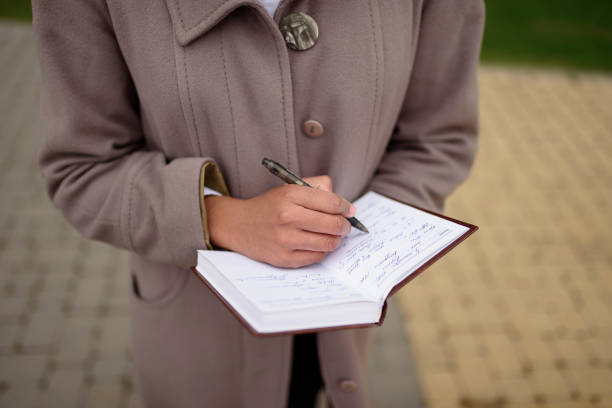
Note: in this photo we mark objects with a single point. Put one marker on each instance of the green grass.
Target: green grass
(16, 10)
(574, 34)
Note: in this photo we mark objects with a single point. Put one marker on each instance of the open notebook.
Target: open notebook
(349, 288)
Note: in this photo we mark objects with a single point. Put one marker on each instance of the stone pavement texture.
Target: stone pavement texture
(520, 314)
(64, 300)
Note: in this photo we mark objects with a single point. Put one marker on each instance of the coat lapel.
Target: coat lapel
(193, 18)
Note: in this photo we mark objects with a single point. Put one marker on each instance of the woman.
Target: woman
(146, 104)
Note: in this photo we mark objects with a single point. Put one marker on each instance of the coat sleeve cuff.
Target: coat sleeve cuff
(211, 177)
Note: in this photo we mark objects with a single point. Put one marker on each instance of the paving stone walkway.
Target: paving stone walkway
(64, 300)
(520, 314)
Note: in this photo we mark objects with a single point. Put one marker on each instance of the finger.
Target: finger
(299, 258)
(320, 200)
(321, 182)
(316, 221)
(313, 241)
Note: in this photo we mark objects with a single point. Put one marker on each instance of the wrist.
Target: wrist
(221, 212)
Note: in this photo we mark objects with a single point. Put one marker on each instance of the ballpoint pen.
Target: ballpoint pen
(288, 177)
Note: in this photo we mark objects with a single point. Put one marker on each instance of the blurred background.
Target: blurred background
(519, 315)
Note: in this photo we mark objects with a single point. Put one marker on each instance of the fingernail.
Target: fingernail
(352, 211)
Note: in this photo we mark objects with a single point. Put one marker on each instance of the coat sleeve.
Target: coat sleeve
(94, 159)
(434, 141)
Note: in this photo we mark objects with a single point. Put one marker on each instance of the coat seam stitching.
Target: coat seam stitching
(229, 100)
(180, 14)
(280, 66)
(193, 119)
(370, 136)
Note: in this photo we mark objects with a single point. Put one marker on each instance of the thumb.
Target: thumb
(321, 182)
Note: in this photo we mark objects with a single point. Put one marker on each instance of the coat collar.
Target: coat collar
(193, 18)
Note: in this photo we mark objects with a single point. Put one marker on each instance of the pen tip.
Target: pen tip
(362, 227)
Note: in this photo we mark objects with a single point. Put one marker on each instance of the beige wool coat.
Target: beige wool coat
(142, 101)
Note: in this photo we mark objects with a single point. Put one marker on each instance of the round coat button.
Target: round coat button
(313, 128)
(299, 30)
(347, 385)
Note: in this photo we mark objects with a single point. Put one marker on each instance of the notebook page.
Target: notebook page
(401, 239)
(272, 289)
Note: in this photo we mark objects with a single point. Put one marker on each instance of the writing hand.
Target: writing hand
(287, 226)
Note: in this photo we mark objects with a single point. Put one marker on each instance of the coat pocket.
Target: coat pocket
(156, 285)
